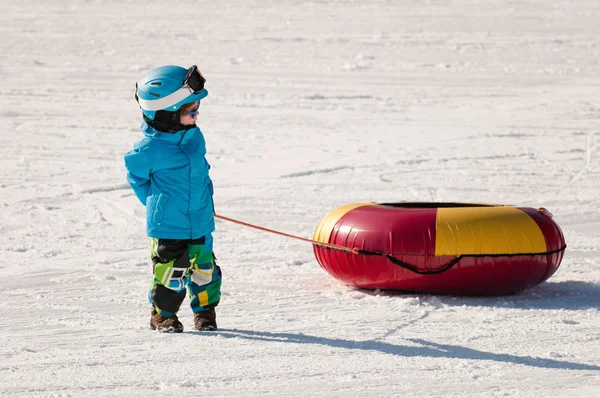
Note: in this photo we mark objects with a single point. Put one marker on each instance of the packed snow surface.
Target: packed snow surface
(312, 105)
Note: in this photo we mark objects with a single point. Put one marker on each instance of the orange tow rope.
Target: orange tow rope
(354, 250)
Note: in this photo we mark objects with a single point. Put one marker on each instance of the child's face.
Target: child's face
(189, 114)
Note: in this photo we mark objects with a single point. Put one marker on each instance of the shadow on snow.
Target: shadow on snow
(568, 295)
(428, 349)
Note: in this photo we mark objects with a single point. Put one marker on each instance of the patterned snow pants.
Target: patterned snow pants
(181, 265)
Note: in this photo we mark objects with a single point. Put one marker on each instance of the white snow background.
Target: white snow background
(312, 105)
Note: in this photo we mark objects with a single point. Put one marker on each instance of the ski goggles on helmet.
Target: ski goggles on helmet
(194, 79)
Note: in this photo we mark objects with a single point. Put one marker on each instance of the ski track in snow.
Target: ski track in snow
(312, 105)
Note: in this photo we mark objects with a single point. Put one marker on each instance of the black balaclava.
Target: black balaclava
(167, 122)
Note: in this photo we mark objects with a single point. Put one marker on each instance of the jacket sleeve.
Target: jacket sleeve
(138, 167)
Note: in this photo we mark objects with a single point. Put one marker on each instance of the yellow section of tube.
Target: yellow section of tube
(325, 227)
(486, 230)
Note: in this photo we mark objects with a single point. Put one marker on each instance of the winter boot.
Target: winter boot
(205, 320)
(165, 324)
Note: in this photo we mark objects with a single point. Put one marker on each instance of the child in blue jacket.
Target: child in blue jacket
(168, 172)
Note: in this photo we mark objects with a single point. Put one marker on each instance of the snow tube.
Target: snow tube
(440, 248)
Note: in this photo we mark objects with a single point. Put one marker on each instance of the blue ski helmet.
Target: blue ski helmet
(168, 88)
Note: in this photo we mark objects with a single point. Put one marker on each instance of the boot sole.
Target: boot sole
(170, 329)
(209, 328)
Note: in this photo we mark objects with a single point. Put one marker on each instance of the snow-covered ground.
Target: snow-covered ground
(312, 105)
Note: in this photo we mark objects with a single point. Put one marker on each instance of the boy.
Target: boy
(169, 174)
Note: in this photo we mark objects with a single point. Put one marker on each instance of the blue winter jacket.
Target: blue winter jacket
(169, 174)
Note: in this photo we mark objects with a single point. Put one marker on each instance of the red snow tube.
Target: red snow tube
(440, 248)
